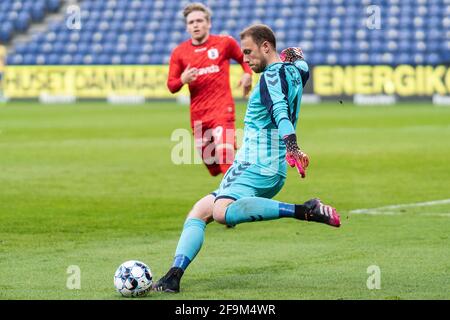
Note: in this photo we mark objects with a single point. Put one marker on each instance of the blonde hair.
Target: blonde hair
(197, 6)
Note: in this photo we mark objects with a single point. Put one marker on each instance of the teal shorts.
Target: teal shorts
(244, 180)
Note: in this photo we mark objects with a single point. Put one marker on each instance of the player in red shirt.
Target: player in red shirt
(203, 62)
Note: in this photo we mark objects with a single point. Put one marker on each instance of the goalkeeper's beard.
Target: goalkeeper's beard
(260, 67)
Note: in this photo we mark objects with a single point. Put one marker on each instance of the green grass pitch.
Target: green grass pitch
(93, 185)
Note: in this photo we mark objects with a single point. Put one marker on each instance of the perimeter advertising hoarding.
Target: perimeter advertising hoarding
(149, 81)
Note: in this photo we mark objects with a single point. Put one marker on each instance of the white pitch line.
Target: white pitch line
(386, 209)
(442, 214)
(391, 213)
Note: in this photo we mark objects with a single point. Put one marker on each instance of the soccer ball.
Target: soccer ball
(133, 279)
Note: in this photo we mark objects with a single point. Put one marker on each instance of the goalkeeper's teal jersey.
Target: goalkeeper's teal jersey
(276, 96)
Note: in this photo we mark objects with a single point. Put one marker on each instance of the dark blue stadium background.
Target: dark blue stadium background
(145, 31)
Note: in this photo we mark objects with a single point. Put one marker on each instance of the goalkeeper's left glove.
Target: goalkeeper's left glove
(291, 54)
(295, 157)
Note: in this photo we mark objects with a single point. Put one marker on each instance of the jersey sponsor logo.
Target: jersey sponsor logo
(210, 69)
(213, 53)
(200, 50)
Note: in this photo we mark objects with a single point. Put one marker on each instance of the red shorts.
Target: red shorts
(216, 142)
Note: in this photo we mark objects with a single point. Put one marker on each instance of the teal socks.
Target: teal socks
(257, 209)
(190, 242)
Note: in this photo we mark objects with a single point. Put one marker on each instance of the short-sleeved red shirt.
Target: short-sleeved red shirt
(211, 92)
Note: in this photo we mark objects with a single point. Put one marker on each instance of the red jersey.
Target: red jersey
(211, 92)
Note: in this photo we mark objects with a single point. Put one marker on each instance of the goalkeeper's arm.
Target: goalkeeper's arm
(294, 156)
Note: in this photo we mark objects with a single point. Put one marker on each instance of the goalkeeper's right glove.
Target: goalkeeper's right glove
(295, 157)
(291, 54)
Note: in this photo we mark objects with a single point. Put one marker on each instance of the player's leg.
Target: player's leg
(189, 244)
(192, 237)
(224, 135)
(204, 143)
(252, 192)
(250, 209)
(193, 233)
(213, 168)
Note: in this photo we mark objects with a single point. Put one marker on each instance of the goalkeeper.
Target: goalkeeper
(259, 170)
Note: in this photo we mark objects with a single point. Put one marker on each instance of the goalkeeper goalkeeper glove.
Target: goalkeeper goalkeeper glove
(291, 54)
(295, 157)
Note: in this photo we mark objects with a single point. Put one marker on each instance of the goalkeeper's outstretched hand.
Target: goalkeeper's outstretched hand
(291, 54)
(294, 156)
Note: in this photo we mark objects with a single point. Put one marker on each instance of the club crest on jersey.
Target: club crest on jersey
(213, 53)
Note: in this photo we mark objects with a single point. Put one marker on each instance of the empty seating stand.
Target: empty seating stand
(145, 31)
(16, 16)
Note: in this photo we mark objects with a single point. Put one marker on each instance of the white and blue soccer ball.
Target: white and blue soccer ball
(133, 279)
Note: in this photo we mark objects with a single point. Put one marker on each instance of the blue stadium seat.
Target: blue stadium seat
(32, 47)
(53, 5)
(22, 22)
(15, 58)
(38, 11)
(77, 59)
(362, 58)
(52, 59)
